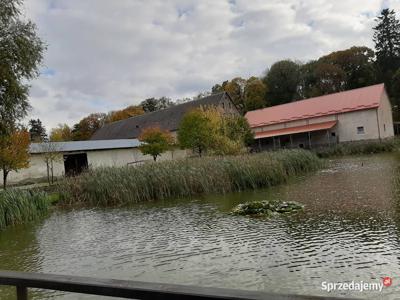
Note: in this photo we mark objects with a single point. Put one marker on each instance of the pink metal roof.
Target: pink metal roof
(293, 130)
(357, 99)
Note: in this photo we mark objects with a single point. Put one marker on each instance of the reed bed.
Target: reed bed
(20, 206)
(114, 186)
(358, 148)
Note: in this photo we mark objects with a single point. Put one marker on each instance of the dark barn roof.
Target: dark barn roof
(167, 119)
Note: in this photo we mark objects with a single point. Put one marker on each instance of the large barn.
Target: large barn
(166, 119)
(354, 115)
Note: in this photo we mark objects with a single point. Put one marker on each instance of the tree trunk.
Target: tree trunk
(200, 151)
(5, 174)
(48, 171)
(155, 157)
(52, 172)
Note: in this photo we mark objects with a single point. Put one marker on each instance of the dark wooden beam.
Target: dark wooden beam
(133, 289)
(22, 292)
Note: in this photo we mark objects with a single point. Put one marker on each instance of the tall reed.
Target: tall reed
(19, 206)
(184, 178)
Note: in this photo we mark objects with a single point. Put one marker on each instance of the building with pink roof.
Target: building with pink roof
(354, 115)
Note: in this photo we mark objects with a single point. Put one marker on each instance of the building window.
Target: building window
(333, 133)
(384, 127)
(360, 130)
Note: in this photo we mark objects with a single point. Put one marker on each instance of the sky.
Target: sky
(104, 55)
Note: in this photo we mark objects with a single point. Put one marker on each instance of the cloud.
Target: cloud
(103, 55)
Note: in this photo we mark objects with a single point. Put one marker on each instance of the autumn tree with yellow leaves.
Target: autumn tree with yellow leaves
(14, 154)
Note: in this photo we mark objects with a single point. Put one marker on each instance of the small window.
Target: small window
(360, 130)
(384, 127)
(333, 133)
(137, 126)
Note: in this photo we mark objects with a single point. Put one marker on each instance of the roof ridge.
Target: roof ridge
(322, 96)
(167, 108)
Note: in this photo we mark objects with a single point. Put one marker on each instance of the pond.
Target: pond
(349, 230)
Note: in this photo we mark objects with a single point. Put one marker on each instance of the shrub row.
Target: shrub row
(357, 148)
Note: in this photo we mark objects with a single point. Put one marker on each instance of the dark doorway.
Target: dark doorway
(75, 164)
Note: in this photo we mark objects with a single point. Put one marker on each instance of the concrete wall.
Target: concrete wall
(37, 169)
(122, 157)
(385, 117)
(116, 157)
(348, 123)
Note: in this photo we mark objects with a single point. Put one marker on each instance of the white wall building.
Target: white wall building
(74, 157)
(354, 115)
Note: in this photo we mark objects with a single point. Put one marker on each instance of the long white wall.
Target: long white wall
(37, 169)
(116, 157)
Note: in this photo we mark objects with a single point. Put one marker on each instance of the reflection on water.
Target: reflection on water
(348, 231)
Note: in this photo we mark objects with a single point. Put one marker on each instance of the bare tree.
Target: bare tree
(51, 154)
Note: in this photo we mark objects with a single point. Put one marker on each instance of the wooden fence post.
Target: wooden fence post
(22, 292)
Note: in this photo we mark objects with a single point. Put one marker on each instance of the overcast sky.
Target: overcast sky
(104, 55)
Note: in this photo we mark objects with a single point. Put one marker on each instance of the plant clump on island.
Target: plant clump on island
(266, 208)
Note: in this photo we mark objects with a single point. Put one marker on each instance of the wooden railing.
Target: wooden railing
(131, 289)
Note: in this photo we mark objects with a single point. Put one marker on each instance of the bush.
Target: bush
(357, 148)
(19, 206)
(185, 178)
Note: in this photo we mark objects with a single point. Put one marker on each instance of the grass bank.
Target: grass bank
(358, 148)
(20, 206)
(184, 178)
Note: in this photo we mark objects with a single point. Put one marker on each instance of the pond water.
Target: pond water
(350, 230)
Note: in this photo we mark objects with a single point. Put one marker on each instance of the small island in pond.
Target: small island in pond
(266, 208)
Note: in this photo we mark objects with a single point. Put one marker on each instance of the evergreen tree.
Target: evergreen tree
(37, 131)
(387, 45)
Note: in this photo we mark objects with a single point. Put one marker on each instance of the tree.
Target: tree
(14, 154)
(235, 89)
(282, 80)
(87, 126)
(61, 133)
(255, 94)
(357, 64)
(396, 95)
(155, 141)
(330, 78)
(37, 131)
(387, 44)
(153, 104)
(238, 129)
(50, 155)
(211, 130)
(308, 81)
(196, 131)
(21, 53)
(123, 114)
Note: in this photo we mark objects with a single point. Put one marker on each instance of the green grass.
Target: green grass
(184, 178)
(357, 148)
(20, 206)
